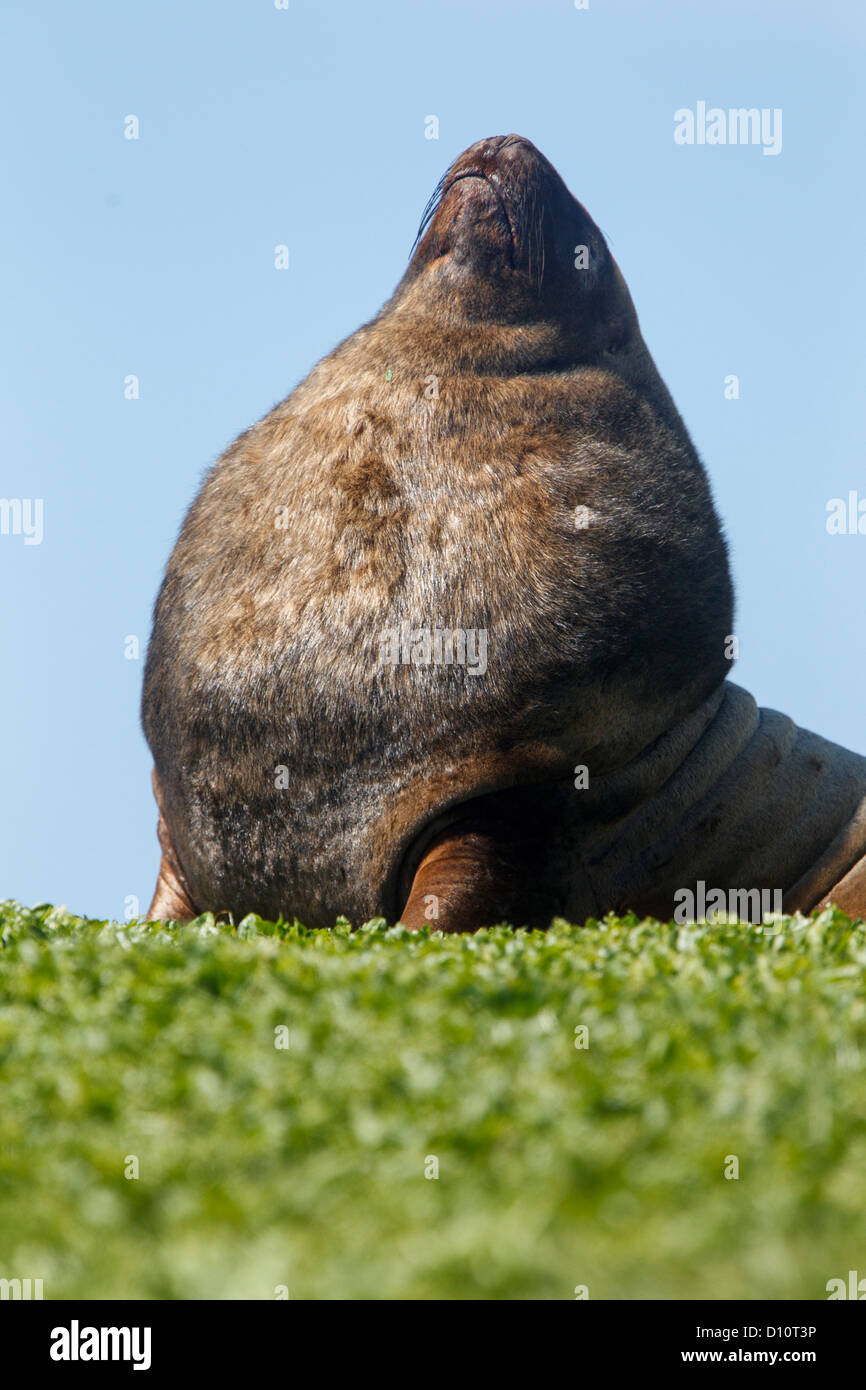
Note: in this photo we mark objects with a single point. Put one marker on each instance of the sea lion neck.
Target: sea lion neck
(419, 339)
(733, 795)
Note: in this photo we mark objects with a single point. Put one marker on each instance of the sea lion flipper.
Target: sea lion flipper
(171, 900)
(849, 893)
(486, 868)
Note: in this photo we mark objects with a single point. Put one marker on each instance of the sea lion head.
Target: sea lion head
(502, 212)
(511, 262)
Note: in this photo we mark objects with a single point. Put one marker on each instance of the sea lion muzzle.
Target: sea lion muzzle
(503, 215)
(491, 468)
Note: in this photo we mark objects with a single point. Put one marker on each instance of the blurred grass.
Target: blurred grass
(304, 1165)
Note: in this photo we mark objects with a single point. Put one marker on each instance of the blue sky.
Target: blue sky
(306, 127)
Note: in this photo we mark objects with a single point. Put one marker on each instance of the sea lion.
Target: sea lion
(443, 637)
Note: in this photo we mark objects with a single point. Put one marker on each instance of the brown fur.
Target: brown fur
(456, 511)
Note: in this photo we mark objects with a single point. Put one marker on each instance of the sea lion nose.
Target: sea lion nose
(498, 150)
(507, 141)
(517, 152)
(514, 163)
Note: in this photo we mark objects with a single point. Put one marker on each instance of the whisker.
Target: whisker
(427, 215)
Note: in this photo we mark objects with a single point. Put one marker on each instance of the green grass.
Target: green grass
(304, 1166)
